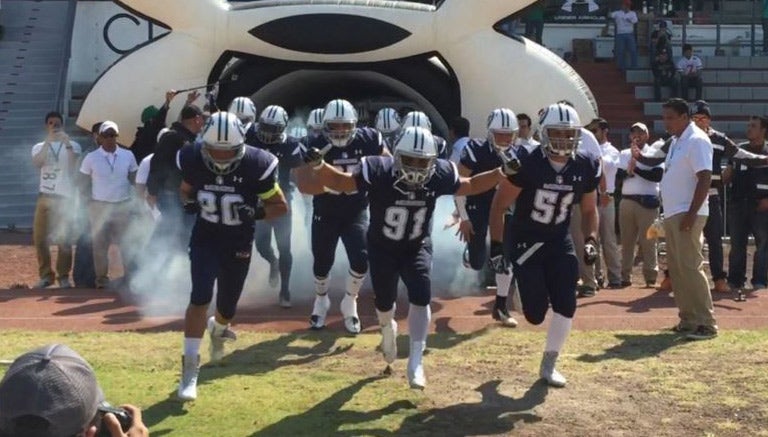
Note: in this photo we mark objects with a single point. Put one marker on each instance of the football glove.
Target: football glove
(247, 213)
(590, 251)
(497, 261)
(313, 157)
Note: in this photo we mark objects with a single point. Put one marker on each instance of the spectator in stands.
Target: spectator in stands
(748, 210)
(625, 20)
(52, 391)
(458, 135)
(534, 21)
(111, 171)
(525, 134)
(56, 157)
(639, 206)
(83, 271)
(153, 120)
(606, 207)
(684, 190)
(664, 74)
(689, 66)
(661, 39)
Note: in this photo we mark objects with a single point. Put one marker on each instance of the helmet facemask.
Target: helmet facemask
(414, 171)
(561, 140)
(269, 133)
(339, 133)
(502, 139)
(222, 159)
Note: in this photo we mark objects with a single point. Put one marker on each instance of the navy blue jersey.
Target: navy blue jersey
(219, 196)
(442, 147)
(401, 217)
(479, 157)
(367, 142)
(290, 155)
(543, 208)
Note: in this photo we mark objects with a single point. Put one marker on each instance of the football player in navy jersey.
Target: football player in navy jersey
(477, 157)
(420, 119)
(338, 215)
(270, 135)
(402, 192)
(229, 186)
(388, 123)
(245, 111)
(552, 178)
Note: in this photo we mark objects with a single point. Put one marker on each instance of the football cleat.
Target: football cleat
(320, 310)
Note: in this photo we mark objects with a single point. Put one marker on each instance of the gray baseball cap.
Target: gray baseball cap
(52, 388)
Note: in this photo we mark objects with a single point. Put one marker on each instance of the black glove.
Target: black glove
(511, 167)
(590, 251)
(497, 261)
(247, 213)
(313, 157)
(191, 207)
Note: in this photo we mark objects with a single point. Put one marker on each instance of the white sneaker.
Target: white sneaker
(320, 310)
(548, 371)
(190, 368)
(64, 283)
(416, 378)
(389, 342)
(218, 337)
(349, 312)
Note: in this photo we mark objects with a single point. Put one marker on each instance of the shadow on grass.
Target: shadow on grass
(495, 414)
(257, 359)
(636, 347)
(328, 417)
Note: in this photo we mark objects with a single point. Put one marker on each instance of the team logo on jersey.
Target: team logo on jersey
(219, 180)
(344, 155)
(559, 180)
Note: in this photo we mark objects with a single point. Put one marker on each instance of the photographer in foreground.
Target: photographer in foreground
(52, 392)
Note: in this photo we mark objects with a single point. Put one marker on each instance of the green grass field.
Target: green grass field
(620, 384)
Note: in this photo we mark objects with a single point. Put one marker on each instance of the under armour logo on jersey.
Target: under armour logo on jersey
(358, 152)
(344, 155)
(430, 194)
(237, 179)
(316, 218)
(522, 245)
(577, 178)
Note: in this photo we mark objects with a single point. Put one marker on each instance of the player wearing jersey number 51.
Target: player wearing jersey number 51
(552, 179)
(222, 182)
(402, 191)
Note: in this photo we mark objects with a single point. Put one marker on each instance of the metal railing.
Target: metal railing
(62, 88)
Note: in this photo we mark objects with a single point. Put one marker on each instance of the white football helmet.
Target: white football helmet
(298, 132)
(339, 122)
(560, 129)
(387, 121)
(417, 119)
(244, 109)
(223, 143)
(502, 128)
(415, 156)
(315, 122)
(272, 124)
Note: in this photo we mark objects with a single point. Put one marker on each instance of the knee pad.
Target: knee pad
(321, 285)
(534, 317)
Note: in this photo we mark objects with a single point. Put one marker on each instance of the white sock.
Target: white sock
(559, 327)
(192, 346)
(418, 322)
(321, 286)
(385, 317)
(354, 283)
(218, 327)
(503, 282)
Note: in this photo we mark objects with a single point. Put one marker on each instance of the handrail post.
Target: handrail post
(752, 26)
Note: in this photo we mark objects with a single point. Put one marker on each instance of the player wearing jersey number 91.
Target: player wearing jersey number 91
(402, 191)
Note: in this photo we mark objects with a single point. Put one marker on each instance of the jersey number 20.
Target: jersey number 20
(211, 211)
(545, 204)
(396, 221)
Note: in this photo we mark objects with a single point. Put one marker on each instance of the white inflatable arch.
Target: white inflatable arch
(448, 59)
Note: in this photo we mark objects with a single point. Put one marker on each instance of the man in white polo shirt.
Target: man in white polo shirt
(112, 171)
(639, 207)
(56, 157)
(684, 191)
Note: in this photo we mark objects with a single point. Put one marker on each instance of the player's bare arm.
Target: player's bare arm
(465, 230)
(274, 203)
(306, 181)
(589, 216)
(505, 196)
(479, 183)
(336, 180)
